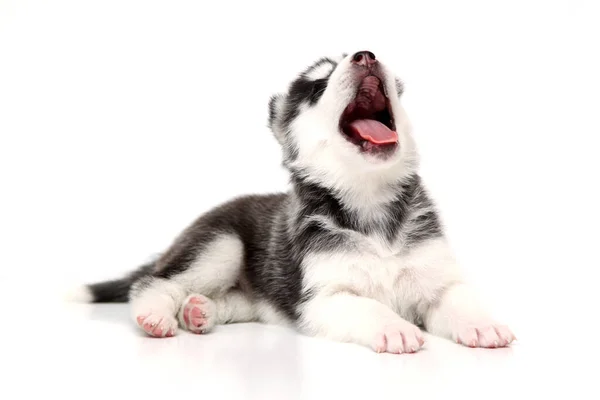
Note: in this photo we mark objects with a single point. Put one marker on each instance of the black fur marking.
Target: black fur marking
(426, 226)
(315, 236)
(410, 198)
(278, 231)
(273, 108)
(302, 91)
(305, 91)
(399, 87)
(270, 265)
(117, 291)
(284, 109)
(247, 217)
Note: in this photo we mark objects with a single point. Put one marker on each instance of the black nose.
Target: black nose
(364, 58)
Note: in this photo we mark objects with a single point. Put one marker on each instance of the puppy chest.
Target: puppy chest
(393, 281)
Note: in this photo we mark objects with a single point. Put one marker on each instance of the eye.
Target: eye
(318, 87)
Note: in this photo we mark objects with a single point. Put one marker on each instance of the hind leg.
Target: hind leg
(214, 271)
(199, 314)
(154, 304)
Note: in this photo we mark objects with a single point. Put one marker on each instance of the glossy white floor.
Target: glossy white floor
(94, 351)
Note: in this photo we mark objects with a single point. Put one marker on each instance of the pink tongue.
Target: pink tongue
(374, 131)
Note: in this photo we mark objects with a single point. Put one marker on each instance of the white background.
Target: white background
(122, 121)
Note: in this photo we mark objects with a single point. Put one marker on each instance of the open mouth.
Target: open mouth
(368, 121)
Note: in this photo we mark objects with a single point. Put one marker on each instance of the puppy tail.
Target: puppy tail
(113, 291)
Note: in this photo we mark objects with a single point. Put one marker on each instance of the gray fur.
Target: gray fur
(279, 230)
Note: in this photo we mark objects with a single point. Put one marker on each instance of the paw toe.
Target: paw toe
(380, 343)
(399, 338)
(394, 342)
(484, 335)
(488, 337)
(505, 335)
(468, 337)
(411, 342)
(157, 326)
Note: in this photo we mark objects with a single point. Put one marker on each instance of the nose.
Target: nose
(364, 58)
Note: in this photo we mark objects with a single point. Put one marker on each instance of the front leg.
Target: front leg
(458, 316)
(346, 317)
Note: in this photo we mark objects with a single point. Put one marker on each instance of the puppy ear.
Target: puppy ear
(276, 105)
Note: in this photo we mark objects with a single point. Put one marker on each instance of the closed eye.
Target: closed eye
(318, 88)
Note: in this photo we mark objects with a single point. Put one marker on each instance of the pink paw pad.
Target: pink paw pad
(197, 314)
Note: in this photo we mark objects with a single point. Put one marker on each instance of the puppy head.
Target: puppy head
(340, 122)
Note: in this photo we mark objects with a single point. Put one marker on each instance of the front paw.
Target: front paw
(483, 334)
(398, 337)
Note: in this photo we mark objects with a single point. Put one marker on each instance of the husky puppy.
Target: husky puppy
(354, 252)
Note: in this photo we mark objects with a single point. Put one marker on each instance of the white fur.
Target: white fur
(213, 273)
(158, 324)
(460, 316)
(376, 285)
(320, 71)
(371, 292)
(374, 289)
(346, 317)
(162, 298)
(325, 156)
(235, 306)
(216, 269)
(398, 280)
(268, 314)
(79, 294)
